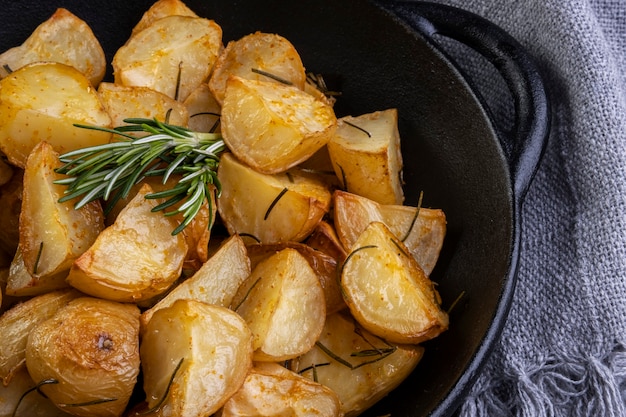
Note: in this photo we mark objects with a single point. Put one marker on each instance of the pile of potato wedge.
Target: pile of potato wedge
(315, 297)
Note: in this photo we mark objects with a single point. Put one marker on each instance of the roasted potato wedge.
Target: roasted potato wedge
(423, 235)
(258, 56)
(91, 347)
(205, 350)
(197, 234)
(283, 304)
(21, 283)
(324, 238)
(14, 403)
(42, 102)
(161, 9)
(365, 152)
(63, 38)
(273, 391)
(358, 366)
(204, 111)
(387, 291)
(123, 102)
(134, 259)
(271, 208)
(272, 126)
(172, 55)
(17, 323)
(52, 234)
(216, 282)
(324, 266)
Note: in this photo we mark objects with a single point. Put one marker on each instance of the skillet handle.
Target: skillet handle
(524, 144)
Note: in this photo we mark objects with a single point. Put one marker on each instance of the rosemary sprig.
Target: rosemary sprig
(109, 171)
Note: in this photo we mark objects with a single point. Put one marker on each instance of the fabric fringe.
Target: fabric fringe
(582, 386)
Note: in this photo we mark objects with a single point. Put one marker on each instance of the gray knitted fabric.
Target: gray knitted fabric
(563, 349)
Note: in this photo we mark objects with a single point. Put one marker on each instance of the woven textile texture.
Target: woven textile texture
(563, 348)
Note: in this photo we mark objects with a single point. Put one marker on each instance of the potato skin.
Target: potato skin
(91, 347)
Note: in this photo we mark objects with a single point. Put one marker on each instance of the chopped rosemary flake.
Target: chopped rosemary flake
(251, 236)
(271, 207)
(87, 403)
(400, 248)
(166, 393)
(38, 258)
(7, 68)
(37, 387)
(178, 80)
(455, 302)
(415, 217)
(369, 135)
(109, 171)
(272, 76)
(245, 297)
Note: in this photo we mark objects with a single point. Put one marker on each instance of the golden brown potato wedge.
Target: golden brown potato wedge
(272, 126)
(63, 38)
(365, 152)
(197, 234)
(205, 350)
(21, 283)
(283, 304)
(134, 259)
(91, 347)
(124, 102)
(258, 56)
(423, 235)
(271, 208)
(161, 9)
(17, 323)
(204, 111)
(31, 405)
(324, 266)
(324, 238)
(173, 55)
(42, 102)
(387, 291)
(216, 282)
(273, 391)
(358, 366)
(52, 234)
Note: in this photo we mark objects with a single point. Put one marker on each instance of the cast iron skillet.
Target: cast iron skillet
(450, 146)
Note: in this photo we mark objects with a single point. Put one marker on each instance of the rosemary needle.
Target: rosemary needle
(109, 171)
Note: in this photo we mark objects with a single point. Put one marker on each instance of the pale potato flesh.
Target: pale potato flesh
(273, 391)
(258, 56)
(216, 282)
(30, 405)
(361, 380)
(365, 152)
(215, 347)
(324, 266)
(123, 102)
(283, 304)
(91, 347)
(155, 56)
(387, 291)
(21, 282)
(423, 236)
(63, 38)
(204, 111)
(42, 102)
(273, 127)
(52, 234)
(17, 323)
(134, 259)
(251, 202)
